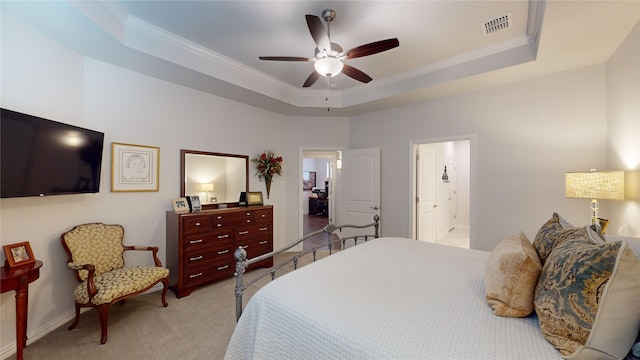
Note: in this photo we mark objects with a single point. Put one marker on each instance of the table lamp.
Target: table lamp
(595, 185)
(207, 188)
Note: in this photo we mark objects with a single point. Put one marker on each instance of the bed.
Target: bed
(389, 298)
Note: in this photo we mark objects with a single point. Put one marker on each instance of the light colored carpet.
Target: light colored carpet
(197, 326)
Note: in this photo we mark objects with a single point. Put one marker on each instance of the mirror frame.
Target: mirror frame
(183, 154)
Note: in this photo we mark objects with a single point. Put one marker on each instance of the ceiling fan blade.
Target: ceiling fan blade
(354, 73)
(285, 58)
(311, 79)
(318, 33)
(372, 48)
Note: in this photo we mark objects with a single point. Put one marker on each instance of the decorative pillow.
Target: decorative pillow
(511, 276)
(555, 231)
(587, 299)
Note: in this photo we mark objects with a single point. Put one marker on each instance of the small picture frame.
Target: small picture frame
(604, 223)
(254, 198)
(194, 203)
(18, 254)
(180, 205)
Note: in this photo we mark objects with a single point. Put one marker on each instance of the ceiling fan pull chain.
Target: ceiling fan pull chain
(326, 97)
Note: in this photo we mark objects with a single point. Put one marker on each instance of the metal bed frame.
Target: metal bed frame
(242, 262)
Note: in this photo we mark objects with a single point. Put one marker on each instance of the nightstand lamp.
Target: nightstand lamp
(595, 185)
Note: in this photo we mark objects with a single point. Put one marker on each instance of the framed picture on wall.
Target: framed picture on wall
(308, 180)
(134, 167)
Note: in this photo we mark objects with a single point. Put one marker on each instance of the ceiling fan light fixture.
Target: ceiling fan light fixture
(328, 66)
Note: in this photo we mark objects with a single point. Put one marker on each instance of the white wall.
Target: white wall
(528, 134)
(43, 78)
(623, 135)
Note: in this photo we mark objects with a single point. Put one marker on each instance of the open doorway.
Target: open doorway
(442, 189)
(317, 185)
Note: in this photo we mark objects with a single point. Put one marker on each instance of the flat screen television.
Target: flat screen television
(40, 157)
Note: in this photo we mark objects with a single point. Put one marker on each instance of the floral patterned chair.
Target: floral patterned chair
(95, 254)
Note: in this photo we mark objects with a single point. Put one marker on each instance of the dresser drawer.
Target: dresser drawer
(208, 257)
(256, 246)
(199, 241)
(204, 275)
(254, 231)
(195, 224)
(265, 215)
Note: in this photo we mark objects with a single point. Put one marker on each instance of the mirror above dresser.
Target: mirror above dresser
(217, 178)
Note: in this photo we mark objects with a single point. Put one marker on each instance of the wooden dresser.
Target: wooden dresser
(200, 245)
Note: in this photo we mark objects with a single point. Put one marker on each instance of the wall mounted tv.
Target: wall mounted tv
(40, 157)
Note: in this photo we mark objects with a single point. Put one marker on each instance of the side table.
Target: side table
(18, 280)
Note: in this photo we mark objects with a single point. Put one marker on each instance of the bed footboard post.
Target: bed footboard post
(241, 265)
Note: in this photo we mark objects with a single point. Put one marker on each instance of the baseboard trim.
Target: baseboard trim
(10, 349)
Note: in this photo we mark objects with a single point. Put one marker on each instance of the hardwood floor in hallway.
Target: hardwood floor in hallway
(312, 223)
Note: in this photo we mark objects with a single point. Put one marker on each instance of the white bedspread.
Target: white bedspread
(390, 298)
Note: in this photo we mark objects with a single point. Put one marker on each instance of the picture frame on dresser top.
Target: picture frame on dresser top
(254, 198)
(134, 167)
(180, 205)
(194, 203)
(18, 254)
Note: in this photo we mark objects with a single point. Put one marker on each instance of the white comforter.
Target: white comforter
(391, 298)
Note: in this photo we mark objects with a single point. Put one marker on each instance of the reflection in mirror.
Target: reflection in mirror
(216, 178)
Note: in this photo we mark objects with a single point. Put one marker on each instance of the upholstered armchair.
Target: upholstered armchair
(96, 254)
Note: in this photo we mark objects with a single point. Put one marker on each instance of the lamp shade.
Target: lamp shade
(206, 187)
(595, 185)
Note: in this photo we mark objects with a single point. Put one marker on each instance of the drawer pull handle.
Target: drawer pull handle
(243, 232)
(195, 241)
(223, 267)
(195, 275)
(218, 225)
(248, 220)
(195, 258)
(198, 224)
(264, 229)
(263, 242)
(248, 214)
(263, 215)
(223, 252)
(219, 217)
(223, 236)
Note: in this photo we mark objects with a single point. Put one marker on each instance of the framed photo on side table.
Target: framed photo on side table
(134, 167)
(18, 254)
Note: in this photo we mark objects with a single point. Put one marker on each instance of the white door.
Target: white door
(426, 191)
(361, 181)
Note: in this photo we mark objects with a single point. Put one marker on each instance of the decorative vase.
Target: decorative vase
(267, 180)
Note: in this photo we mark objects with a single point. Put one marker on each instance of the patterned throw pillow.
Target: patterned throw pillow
(557, 230)
(586, 299)
(511, 276)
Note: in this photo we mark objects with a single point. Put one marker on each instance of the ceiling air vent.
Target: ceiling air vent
(493, 25)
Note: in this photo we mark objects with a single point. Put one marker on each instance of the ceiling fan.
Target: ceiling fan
(329, 59)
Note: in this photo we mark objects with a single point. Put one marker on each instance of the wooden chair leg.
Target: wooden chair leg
(165, 282)
(75, 322)
(103, 314)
